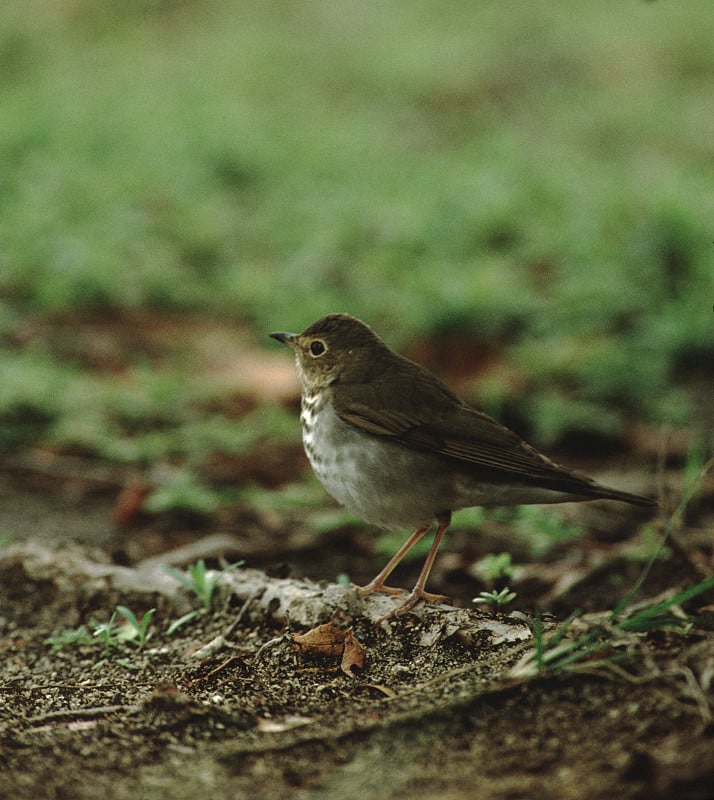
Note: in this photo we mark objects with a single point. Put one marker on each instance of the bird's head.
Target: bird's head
(337, 347)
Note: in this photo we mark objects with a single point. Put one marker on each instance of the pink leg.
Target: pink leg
(377, 584)
(418, 593)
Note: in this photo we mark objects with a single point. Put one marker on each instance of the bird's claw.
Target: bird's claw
(373, 586)
(415, 596)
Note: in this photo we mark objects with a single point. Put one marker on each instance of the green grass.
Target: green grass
(602, 645)
(535, 174)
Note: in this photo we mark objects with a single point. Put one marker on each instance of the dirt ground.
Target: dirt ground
(230, 705)
(445, 701)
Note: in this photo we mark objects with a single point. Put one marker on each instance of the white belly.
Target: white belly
(367, 474)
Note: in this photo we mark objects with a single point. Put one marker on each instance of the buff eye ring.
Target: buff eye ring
(317, 348)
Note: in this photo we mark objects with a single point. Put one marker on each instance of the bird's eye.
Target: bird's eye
(317, 348)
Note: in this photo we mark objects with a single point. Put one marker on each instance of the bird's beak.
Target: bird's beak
(285, 338)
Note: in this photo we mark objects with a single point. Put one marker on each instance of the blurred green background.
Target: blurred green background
(535, 178)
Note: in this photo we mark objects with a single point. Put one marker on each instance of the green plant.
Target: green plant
(544, 528)
(202, 582)
(132, 631)
(106, 632)
(136, 631)
(495, 598)
(647, 545)
(696, 467)
(183, 493)
(691, 490)
(494, 236)
(199, 580)
(74, 637)
(556, 652)
(661, 614)
(495, 567)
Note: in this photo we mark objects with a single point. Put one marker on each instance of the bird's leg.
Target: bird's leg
(418, 593)
(377, 583)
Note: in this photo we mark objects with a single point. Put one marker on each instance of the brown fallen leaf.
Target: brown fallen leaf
(326, 639)
(354, 654)
(331, 641)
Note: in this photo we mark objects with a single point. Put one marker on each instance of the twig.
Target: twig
(697, 694)
(80, 713)
(223, 665)
(270, 643)
(244, 608)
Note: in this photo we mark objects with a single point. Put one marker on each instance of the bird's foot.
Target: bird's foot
(414, 597)
(377, 586)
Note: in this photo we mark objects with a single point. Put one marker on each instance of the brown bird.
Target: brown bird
(393, 444)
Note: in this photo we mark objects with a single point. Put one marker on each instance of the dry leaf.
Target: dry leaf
(354, 654)
(329, 640)
(326, 640)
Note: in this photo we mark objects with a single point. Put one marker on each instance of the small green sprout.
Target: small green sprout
(199, 580)
(202, 582)
(106, 633)
(495, 598)
(135, 631)
(181, 621)
(75, 636)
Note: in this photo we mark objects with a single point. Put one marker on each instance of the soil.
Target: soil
(445, 701)
(253, 715)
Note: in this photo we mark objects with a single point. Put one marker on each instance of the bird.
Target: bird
(394, 445)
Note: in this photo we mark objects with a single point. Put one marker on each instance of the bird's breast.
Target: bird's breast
(381, 481)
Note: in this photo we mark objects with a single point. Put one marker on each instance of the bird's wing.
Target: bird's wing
(463, 434)
(434, 420)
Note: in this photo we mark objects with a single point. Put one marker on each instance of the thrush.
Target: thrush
(398, 448)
